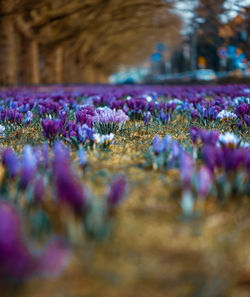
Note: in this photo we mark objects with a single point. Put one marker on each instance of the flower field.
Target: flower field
(125, 191)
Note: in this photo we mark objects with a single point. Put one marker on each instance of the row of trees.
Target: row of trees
(213, 31)
(211, 27)
(79, 40)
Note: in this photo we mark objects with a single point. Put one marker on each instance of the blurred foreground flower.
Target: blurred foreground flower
(117, 191)
(68, 189)
(11, 161)
(17, 260)
(209, 136)
(82, 159)
(186, 164)
(204, 181)
(28, 165)
(194, 133)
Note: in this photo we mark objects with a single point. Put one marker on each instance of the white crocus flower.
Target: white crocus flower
(225, 115)
(229, 139)
(2, 129)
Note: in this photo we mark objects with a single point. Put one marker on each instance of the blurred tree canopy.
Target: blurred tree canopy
(210, 25)
(79, 40)
(209, 12)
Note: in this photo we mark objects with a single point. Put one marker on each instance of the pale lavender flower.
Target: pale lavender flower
(186, 164)
(82, 159)
(28, 165)
(157, 144)
(109, 120)
(204, 181)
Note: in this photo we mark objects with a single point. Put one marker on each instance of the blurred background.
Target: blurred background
(117, 41)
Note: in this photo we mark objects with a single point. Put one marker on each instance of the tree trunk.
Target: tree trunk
(90, 74)
(8, 54)
(59, 65)
(102, 78)
(34, 57)
(30, 61)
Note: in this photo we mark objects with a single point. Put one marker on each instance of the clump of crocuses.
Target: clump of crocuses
(108, 120)
(163, 154)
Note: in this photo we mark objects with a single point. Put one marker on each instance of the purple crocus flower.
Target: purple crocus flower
(186, 165)
(194, 133)
(233, 158)
(3, 114)
(18, 117)
(204, 181)
(81, 116)
(240, 124)
(17, 260)
(157, 144)
(247, 119)
(45, 154)
(51, 127)
(84, 133)
(194, 114)
(247, 162)
(38, 189)
(165, 143)
(61, 151)
(164, 118)
(28, 118)
(28, 165)
(213, 156)
(209, 137)
(117, 191)
(242, 109)
(41, 110)
(82, 157)
(11, 161)
(69, 129)
(147, 118)
(68, 189)
(11, 114)
(175, 149)
(62, 115)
